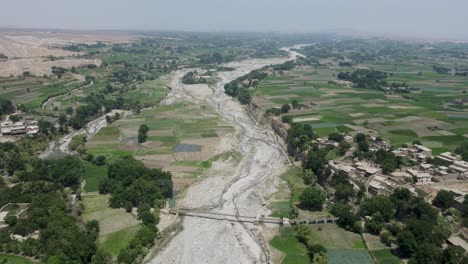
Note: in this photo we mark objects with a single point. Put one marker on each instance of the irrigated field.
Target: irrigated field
(32, 91)
(429, 116)
(343, 247)
(117, 227)
(182, 139)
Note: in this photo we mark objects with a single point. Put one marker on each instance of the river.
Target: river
(255, 176)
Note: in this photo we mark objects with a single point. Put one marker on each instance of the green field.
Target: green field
(343, 247)
(331, 236)
(33, 91)
(115, 242)
(93, 175)
(10, 259)
(427, 116)
(286, 242)
(348, 256)
(117, 227)
(384, 256)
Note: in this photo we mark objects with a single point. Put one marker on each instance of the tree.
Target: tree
(375, 225)
(108, 119)
(295, 104)
(378, 204)
(11, 219)
(313, 198)
(142, 133)
(343, 147)
(360, 137)
(407, 243)
(453, 255)
(388, 166)
(69, 110)
(335, 136)
(285, 108)
(308, 177)
(363, 146)
(15, 118)
(444, 199)
(244, 96)
(427, 254)
(344, 192)
(100, 160)
(320, 258)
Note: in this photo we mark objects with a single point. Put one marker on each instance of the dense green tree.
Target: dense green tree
(335, 136)
(453, 255)
(285, 108)
(378, 204)
(313, 198)
(407, 243)
(295, 104)
(427, 254)
(463, 151)
(244, 96)
(444, 199)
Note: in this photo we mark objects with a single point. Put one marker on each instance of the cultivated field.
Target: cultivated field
(182, 139)
(117, 227)
(343, 247)
(428, 116)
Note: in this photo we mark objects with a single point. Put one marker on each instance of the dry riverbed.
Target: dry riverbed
(238, 192)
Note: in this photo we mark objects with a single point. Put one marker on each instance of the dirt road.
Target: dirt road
(61, 147)
(256, 175)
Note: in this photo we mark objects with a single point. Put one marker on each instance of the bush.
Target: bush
(100, 160)
(286, 119)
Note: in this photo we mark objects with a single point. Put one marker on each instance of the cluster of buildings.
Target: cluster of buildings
(422, 173)
(10, 128)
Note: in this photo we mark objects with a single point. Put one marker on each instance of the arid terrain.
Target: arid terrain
(30, 50)
(239, 193)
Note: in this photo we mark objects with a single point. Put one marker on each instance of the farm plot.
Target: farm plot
(401, 119)
(182, 139)
(33, 91)
(117, 227)
(287, 242)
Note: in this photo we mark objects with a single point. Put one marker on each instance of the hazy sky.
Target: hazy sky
(425, 18)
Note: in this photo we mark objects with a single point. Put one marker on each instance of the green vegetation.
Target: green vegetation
(288, 243)
(43, 185)
(131, 184)
(115, 242)
(10, 259)
(93, 175)
(385, 256)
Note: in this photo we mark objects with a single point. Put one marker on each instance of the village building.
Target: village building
(458, 241)
(366, 169)
(449, 157)
(9, 128)
(338, 166)
(460, 167)
(422, 178)
(383, 185)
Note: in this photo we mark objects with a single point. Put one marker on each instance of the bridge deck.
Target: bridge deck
(249, 219)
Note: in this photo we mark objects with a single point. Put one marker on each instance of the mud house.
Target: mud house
(383, 185)
(19, 128)
(449, 157)
(422, 178)
(366, 169)
(460, 167)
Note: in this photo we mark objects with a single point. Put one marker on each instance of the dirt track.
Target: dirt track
(210, 241)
